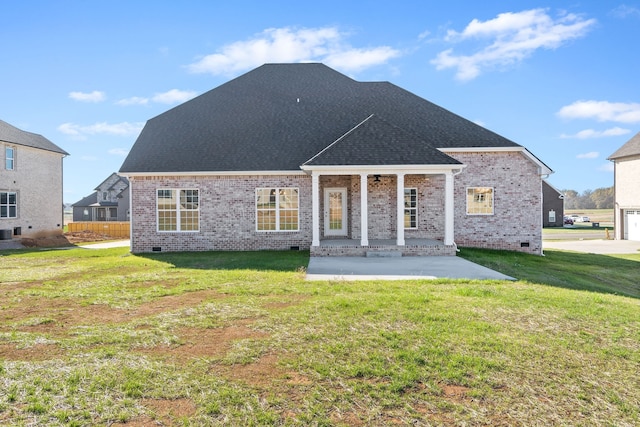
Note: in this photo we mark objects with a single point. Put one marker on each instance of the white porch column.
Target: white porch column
(400, 205)
(364, 211)
(448, 208)
(315, 208)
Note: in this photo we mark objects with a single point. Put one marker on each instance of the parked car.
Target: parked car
(568, 220)
(580, 218)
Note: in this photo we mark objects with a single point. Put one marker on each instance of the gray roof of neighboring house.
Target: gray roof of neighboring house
(13, 135)
(87, 201)
(279, 116)
(630, 148)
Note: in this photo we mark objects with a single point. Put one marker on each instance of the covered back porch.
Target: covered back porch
(386, 211)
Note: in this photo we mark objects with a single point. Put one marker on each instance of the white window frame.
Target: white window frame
(278, 210)
(552, 216)
(7, 206)
(411, 208)
(478, 193)
(9, 159)
(179, 210)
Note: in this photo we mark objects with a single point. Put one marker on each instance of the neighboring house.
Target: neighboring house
(552, 206)
(299, 156)
(626, 162)
(30, 184)
(110, 202)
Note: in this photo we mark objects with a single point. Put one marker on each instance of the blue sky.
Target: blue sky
(560, 78)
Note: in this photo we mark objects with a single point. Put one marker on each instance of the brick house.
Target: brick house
(109, 201)
(626, 161)
(299, 156)
(552, 206)
(30, 184)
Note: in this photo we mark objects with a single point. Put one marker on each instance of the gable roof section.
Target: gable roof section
(630, 148)
(86, 201)
(13, 135)
(278, 116)
(376, 142)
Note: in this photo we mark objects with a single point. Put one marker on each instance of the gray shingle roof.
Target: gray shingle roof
(278, 116)
(376, 142)
(630, 148)
(13, 135)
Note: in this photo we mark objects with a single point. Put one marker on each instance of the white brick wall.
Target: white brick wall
(37, 178)
(227, 208)
(517, 218)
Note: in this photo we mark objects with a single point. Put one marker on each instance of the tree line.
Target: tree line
(601, 198)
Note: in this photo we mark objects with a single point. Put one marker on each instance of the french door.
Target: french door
(335, 212)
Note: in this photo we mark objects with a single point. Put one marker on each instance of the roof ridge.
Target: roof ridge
(339, 139)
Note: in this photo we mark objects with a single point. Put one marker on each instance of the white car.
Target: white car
(577, 218)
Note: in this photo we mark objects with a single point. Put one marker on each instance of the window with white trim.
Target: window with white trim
(178, 209)
(410, 208)
(552, 216)
(10, 158)
(8, 204)
(480, 201)
(277, 209)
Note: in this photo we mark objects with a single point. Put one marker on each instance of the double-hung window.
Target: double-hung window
(479, 201)
(8, 204)
(277, 209)
(410, 208)
(178, 209)
(10, 158)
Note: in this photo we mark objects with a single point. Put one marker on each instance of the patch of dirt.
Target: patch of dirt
(202, 343)
(259, 374)
(164, 412)
(65, 239)
(58, 315)
(36, 353)
(455, 392)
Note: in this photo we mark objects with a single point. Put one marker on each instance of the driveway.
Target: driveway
(398, 268)
(597, 246)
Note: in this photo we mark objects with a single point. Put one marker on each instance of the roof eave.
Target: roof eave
(543, 169)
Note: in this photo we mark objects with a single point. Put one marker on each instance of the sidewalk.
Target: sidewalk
(597, 246)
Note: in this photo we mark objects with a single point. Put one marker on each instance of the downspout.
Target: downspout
(454, 174)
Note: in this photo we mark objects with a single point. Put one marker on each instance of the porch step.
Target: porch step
(385, 254)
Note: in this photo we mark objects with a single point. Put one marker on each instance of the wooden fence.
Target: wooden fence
(111, 228)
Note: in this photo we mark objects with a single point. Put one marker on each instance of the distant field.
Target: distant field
(595, 215)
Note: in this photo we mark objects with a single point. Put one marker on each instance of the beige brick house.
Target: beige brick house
(299, 156)
(626, 162)
(30, 184)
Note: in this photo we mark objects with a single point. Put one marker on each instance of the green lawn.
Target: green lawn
(103, 337)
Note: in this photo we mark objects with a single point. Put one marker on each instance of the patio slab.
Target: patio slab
(398, 268)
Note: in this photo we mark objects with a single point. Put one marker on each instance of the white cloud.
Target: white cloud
(118, 129)
(589, 155)
(134, 100)
(624, 11)
(279, 45)
(591, 133)
(602, 111)
(606, 167)
(511, 37)
(173, 96)
(119, 152)
(95, 96)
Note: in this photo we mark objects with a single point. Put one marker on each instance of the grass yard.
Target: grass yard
(103, 337)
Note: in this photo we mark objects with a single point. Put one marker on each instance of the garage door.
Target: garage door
(632, 225)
